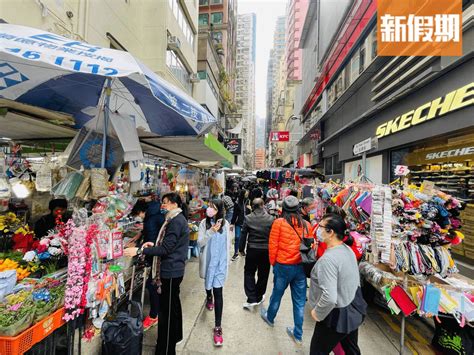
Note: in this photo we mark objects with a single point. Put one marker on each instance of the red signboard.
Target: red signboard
(281, 136)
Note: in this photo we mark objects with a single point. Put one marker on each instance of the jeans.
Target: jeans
(229, 214)
(238, 231)
(293, 275)
(256, 261)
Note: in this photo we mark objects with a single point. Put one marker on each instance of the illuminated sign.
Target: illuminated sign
(438, 107)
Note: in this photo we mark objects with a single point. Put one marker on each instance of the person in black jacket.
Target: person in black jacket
(58, 208)
(255, 235)
(241, 209)
(169, 252)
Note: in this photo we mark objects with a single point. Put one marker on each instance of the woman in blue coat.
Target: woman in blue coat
(214, 240)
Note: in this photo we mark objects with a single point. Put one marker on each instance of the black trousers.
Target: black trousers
(218, 304)
(256, 261)
(154, 297)
(325, 339)
(170, 324)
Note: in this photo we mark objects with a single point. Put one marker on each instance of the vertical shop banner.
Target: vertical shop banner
(234, 145)
(280, 136)
(419, 28)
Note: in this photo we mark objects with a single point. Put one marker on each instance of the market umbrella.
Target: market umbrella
(50, 71)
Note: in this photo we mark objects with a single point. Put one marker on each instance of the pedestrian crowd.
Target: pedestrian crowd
(272, 234)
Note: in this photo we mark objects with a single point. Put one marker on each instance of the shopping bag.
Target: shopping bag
(124, 334)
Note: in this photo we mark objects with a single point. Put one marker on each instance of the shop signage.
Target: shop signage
(364, 146)
(280, 136)
(280, 152)
(450, 153)
(401, 170)
(455, 100)
(234, 145)
(445, 154)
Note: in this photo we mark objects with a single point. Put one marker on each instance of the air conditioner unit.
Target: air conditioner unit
(194, 78)
(174, 43)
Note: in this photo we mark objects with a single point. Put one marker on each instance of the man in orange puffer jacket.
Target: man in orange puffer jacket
(284, 253)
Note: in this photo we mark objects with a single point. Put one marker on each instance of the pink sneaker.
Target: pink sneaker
(149, 322)
(218, 340)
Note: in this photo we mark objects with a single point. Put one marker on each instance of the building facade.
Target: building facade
(168, 46)
(216, 58)
(421, 109)
(296, 14)
(245, 84)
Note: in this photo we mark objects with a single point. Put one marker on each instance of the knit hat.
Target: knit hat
(290, 204)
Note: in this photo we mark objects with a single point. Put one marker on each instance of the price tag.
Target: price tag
(401, 170)
(427, 187)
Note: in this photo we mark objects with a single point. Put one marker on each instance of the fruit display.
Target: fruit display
(8, 264)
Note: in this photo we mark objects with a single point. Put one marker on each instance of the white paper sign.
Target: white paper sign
(401, 170)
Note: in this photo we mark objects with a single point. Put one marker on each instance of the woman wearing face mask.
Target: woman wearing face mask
(335, 295)
(214, 237)
(169, 252)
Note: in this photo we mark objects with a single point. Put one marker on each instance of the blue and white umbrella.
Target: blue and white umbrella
(61, 74)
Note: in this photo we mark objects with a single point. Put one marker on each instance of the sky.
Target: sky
(267, 12)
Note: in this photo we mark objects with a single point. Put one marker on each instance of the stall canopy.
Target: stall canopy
(206, 150)
(46, 70)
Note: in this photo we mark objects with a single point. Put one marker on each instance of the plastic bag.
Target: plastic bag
(124, 334)
(85, 186)
(99, 183)
(44, 178)
(5, 194)
(18, 326)
(7, 282)
(68, 187)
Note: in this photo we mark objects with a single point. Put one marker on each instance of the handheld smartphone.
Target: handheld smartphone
(219, 221)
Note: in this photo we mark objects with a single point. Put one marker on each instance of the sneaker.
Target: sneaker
(235, 257)
(209, 304)
(218, 340)
(263, 314)
(261, 301)
(249, 305)
(149, 322)
(180, 342)
(289, 331)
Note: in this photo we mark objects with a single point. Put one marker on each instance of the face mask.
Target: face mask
(319, 234)
(164, 211)
(138, 219)
(211, 212)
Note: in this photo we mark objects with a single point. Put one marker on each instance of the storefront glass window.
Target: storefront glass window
(361, 59)
(373, 37)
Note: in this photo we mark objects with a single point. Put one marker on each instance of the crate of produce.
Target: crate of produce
(23, 342)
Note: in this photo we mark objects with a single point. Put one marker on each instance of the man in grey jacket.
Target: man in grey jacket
(255, 235)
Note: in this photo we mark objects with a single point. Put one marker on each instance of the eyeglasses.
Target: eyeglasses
(325, 227)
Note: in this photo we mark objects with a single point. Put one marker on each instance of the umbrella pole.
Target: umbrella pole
(108, 91)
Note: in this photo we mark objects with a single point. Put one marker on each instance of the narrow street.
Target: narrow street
(246, 333)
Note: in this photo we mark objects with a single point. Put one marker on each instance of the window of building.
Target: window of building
(202, 74)
(374, 43)
(203, 2)
(362, 58)
(217, 18)
(178, 69)
(328, 166)
(216, 2)
(339, 88)
(217, 36)
(355, 63)
(182, 20)
(203, 19)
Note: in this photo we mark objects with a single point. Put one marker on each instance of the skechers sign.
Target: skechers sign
(450, 153)
(455, 100)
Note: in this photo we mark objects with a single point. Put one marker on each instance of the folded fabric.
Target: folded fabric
(431, 300)
(402, 300)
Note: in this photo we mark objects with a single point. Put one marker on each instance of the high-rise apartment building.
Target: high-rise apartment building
(296, 13)
(245, 84)
(216, 57)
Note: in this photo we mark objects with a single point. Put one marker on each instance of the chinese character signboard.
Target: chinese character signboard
(234, 145)
(419, 28)
(281, 136)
